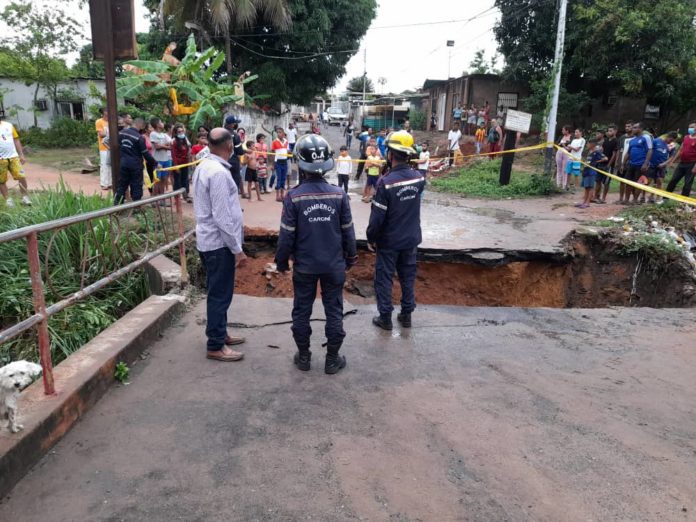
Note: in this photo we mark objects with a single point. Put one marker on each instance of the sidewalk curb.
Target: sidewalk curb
(81, 380)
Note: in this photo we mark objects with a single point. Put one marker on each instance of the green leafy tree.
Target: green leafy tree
(223, 17)
(86, 66)
(479, 65)
(193, 80)
(297, 63)
(356, 84)
(631, 47)
(43, 34)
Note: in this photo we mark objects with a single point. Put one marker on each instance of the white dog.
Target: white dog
(14, 378)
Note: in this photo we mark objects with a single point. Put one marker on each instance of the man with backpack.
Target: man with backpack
(495, 135)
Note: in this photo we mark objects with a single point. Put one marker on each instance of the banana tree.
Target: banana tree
(188, 88)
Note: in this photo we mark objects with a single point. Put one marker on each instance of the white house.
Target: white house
(73, 101)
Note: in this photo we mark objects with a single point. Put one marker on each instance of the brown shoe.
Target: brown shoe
(233, 341)
(225, 355)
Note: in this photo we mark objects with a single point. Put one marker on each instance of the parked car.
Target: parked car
(336, 116)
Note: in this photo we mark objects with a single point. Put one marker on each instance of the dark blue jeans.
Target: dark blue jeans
(129, 178)
(219, 277)
(403, 262)
(305, 290)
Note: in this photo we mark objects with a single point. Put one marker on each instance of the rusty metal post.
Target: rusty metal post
(40, 308)
(182, 245)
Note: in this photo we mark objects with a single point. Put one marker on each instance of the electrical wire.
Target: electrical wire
(315, 55)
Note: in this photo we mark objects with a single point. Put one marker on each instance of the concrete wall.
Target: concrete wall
(18, 101)
(255, 122)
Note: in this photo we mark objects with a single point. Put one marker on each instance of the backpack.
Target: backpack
(493, 135)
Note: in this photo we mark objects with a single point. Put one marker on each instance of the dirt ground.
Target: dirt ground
(475, 414)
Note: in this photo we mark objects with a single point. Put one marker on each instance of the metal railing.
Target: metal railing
(162, 225)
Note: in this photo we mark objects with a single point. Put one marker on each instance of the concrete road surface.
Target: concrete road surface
(474, 414)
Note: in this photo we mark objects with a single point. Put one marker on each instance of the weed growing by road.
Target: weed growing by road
(480, 179)
(76, 325)
(121, 373)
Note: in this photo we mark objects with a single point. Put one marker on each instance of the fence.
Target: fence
(148, 221)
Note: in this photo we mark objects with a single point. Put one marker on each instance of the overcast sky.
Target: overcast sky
(405, 55)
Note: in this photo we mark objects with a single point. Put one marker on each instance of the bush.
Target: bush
(78, 324)
(418, 119)
(481, 179)
(65, 132)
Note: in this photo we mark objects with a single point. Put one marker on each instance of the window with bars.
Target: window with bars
(507, 99)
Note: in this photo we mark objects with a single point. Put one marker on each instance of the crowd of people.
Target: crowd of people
(639, 155)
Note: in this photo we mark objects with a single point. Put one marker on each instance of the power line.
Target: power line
(294, 57)
(436, 22)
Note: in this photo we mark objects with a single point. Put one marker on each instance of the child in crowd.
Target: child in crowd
(344, 167)
(373, 164)
(251, 175)
(480, 137)
(595, 158)
(262, 157)
(423, 159)
(201, 143)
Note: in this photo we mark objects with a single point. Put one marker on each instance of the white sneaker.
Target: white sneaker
(26, 201)
(9, 203)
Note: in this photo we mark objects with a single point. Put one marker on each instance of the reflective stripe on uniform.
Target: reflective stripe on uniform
(287, 227)
(316, 197)
(403, 183)
(347, 225)
(379, 205)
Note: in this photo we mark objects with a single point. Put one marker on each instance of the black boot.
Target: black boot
(302, 360)
(334, 363)
(404, 319)
(383, 321)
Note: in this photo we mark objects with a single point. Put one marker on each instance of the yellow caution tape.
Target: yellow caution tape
(646, 188)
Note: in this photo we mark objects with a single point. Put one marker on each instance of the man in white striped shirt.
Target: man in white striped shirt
(219, 238)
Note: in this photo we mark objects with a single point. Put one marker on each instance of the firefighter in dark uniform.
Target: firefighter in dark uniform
(394, 230)
(316, 230)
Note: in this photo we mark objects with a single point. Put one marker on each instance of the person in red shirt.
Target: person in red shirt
(201, 144)
(686, 163)
(280, 148)
(181, 155)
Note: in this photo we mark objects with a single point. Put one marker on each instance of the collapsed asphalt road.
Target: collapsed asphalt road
(475, 414)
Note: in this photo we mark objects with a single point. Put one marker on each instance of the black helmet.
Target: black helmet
(314, 154)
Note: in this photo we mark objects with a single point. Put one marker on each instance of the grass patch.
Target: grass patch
(72, 158)
(78, 324)
(480, 179)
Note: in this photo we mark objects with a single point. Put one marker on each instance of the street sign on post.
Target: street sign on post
(515, 121)
(518, 121)
(113, 37)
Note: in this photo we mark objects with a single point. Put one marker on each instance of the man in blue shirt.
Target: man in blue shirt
(637, 162)
(658, 162)
(316, 230)
(395, 231)
(382, 143)
(133, 151)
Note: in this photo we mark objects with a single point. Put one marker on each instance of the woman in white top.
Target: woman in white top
(574, 167)
(562, 158)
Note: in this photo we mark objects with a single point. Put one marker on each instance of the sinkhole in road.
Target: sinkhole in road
(590, 273)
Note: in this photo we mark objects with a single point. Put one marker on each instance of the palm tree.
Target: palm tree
(220, 17)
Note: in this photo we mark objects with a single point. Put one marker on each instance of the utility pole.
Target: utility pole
(557, 66)
(364, 81)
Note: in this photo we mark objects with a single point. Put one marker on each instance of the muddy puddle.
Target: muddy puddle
(589, 275)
